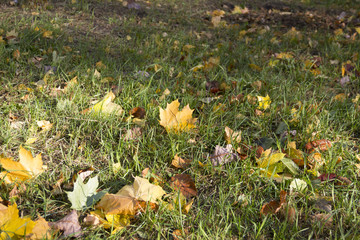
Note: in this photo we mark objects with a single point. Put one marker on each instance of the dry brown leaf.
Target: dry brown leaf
(185, 184)
(138, 112)
(69, 225)
(223, 155)
(279, 207)
(318, 145)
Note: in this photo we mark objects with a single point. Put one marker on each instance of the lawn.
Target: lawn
(179, 119)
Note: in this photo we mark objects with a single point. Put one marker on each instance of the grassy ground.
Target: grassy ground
(313, 97)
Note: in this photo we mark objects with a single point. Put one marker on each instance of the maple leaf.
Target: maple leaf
(27, 168)
(125, 201)
(12, 226)
(84, 195)
(177, 121)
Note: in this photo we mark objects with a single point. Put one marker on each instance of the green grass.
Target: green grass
(230, 197)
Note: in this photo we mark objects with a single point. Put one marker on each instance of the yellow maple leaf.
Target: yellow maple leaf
(12, 226)
(28, 167)
(264, 102)
(177, 121)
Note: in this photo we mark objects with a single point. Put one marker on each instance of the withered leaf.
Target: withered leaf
(138, 112)
(318, 145)
(185, 184)
(223, 155)
(69, 225)
(179, 162)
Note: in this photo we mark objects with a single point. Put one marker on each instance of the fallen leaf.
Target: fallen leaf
(85, 195)
(164, 94)
(239, 10)
(180, 203)
(284, 55)
(138, 112)
(280, 208)
(125, 201)
(113, 221)
(185, 184)
(295, 154)
(16, 54)
(27, 168)
(41, 230)
(255, 67)
(47, 34)
(297, 185)
(211, 63)
(97, 74)
(179, 162)
(341, 97)
(100, 65)
(106, 106)
(223, 155)
(315, 160)
(177, 121)
(216, 16)
(132, 134)
(232, 136)
(293, 34)
(264, 102)
(323, 204)
(12, 226)
(69, 225)
(44, 125)
(318, 145)
(268, 163)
